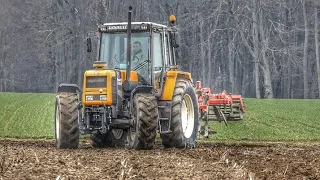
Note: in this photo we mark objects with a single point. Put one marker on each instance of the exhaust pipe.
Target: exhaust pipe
(128, 71)
(128, 86)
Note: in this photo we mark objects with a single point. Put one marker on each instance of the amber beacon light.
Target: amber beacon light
(172, 19)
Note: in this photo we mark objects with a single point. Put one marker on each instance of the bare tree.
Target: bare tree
(256, 48)
(316, 37)
(305, 51)
(268, 90)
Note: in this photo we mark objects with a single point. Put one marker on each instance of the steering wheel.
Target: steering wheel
(142, 69)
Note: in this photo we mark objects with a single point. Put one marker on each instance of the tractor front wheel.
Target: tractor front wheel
(145, 112)
(66, 121)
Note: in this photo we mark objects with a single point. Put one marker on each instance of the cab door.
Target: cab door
(159, 60)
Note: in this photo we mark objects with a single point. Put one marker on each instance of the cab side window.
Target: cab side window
(170, 49)
(158, 59)
(157, 51)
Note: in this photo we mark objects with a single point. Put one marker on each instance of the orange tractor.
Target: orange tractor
(218, 107)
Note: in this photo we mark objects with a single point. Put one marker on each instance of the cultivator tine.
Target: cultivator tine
(204, 126)
(220, 116)
(204, 129)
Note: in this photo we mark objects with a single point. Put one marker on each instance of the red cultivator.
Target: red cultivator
(219, 107)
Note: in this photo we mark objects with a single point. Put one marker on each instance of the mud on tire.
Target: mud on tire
(146, 122)
(66, 121)
(184, 128)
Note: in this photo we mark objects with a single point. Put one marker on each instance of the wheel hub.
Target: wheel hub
(187, 116)
(117, 133)
(58, 123)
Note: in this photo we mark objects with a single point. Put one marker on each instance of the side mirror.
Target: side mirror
(89, 46)
(176, 40)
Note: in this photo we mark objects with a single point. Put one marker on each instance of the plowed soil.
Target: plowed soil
(33, 159)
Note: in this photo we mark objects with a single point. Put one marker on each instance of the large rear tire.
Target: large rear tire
(66, 121)
(184, 117)
(145, 109)
(101, 140)
(113, 138)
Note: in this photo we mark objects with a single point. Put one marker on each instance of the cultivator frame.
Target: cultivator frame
(232, 107)
(218, 107)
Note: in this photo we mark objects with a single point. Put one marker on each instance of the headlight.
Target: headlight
(144, 27)
(89, 98)
(103, 97)
(103, 29)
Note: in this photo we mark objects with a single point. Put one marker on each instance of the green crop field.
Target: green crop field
(274, 120)
(26, 115)
(31, 116)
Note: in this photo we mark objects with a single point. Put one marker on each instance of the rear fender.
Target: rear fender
(170, 83)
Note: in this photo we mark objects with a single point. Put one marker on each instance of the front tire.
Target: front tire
(66, 121)
(145, 109)
(184, 117)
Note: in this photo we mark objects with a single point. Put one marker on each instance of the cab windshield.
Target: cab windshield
(114, 52)
(114, 49)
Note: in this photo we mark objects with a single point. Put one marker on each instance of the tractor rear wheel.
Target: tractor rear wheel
(119, 137)
(184, 117)
(101, 140)
(66, 121)
(145, 111)
(114, 137)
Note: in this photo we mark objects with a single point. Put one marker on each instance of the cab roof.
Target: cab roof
(137, 23)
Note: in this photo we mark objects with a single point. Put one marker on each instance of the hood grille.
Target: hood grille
(96, 82)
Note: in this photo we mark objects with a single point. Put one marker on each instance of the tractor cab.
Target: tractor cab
(151, 49)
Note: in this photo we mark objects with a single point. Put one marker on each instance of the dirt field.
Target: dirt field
(30, 159)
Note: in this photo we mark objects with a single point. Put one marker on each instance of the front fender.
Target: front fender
(68, 88)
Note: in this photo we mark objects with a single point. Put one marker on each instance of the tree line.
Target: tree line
(262, 49)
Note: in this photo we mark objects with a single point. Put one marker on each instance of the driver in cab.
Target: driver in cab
(138, 55)
(138, 59)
